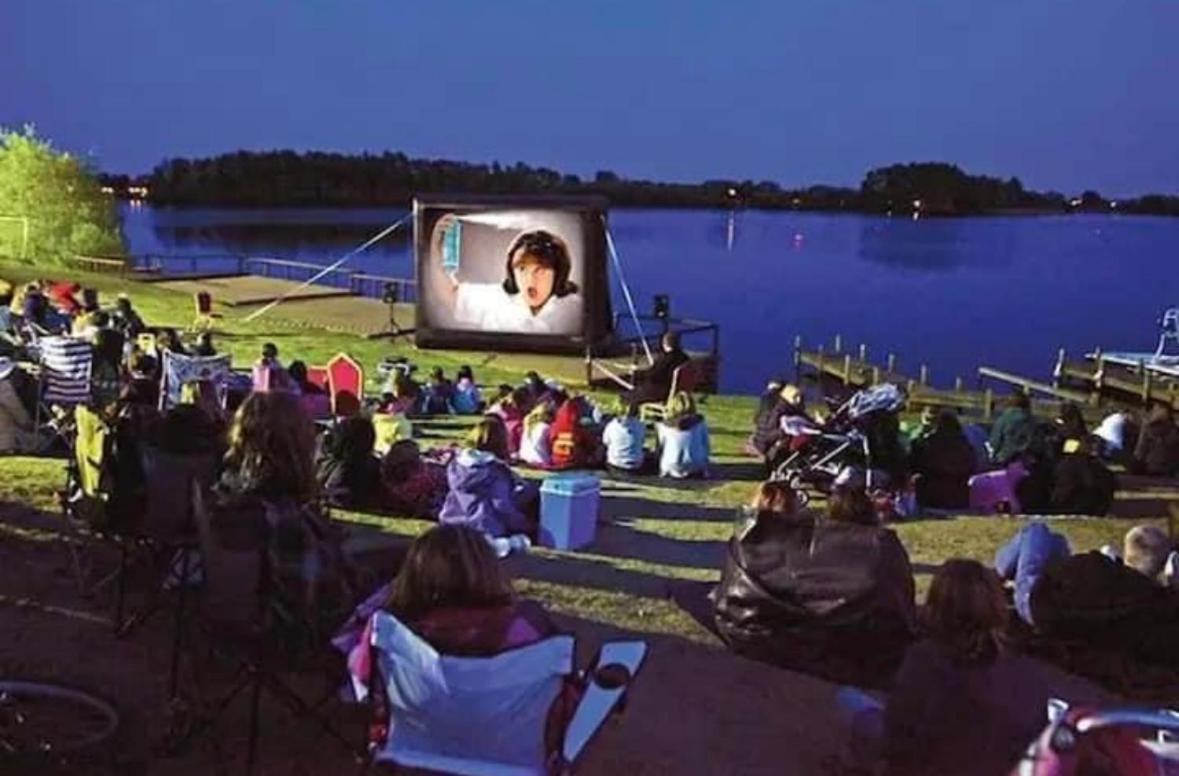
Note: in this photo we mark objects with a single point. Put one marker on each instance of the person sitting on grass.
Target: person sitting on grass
(684, 448)
(576, 440)
(348, 472)
(962, 701)
(126, 319)
(268, 497)
(623, 437)
(204, 346)
(536, 444)
(833, 596)
(466, 399)
(436, 394)
(1013, 431)
(767, 430)
(944, 461)
(1081, 483)
(412, 486)
(1157, 451)
(483, 492)
(512, 409)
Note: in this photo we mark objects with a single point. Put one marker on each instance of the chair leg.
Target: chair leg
(121, 586)
(255, 700)
(178, 628)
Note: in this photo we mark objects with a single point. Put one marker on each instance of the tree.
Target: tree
(58, 197)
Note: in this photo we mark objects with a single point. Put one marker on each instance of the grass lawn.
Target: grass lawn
(655, 537)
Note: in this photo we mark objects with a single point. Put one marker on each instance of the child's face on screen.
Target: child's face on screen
(534, 280)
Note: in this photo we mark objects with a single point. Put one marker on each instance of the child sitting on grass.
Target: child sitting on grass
(624, 436)
(684, 447)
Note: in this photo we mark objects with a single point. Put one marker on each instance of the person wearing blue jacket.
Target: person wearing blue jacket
(684, 448)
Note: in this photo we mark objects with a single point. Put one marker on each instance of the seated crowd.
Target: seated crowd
(827, 592)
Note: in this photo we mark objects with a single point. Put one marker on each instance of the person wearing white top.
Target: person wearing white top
(536, 296)
(536, 444)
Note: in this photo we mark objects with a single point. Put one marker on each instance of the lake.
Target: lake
(951, 293)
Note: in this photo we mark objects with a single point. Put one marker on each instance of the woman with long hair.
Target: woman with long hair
(684, 447)
(271, 449)
(962, 701)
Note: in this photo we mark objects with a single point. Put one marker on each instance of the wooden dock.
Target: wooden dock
(1095, 387)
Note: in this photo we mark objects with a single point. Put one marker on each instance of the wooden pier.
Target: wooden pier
(1097, 388)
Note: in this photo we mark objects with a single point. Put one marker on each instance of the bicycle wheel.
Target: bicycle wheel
(44, 721)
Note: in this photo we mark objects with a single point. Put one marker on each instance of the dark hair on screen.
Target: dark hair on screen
(549, 251)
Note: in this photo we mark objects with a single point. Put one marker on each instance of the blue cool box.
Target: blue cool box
(569, 510)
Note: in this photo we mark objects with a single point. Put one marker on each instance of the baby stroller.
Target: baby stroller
(861, 432)
(1110, 742)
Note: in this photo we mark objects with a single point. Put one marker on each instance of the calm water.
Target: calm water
(951, 293)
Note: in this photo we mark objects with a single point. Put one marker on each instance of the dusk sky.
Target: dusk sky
(1065, 94)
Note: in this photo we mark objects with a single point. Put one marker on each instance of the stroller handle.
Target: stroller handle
(1158, 719)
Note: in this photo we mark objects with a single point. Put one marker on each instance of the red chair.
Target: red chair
(318, 376)
(345, 385)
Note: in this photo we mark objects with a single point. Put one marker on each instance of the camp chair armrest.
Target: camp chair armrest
(607, 681)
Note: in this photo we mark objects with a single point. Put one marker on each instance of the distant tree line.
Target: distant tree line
(315, 179)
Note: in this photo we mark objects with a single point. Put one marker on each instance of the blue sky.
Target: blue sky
(1064, 94)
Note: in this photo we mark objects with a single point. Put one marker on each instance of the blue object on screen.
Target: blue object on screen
(451, 242)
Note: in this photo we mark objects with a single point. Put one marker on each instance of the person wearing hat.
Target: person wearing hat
(16, 426)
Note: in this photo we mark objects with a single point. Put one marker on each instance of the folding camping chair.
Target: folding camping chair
(178, 369)
(345, 385)
(237, 612)
(488, 715)
(203, 319)
(65, 365)
(686, 377)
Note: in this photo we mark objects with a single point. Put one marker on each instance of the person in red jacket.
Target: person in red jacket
(576, 439)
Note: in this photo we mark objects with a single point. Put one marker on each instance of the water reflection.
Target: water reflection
(934, 244)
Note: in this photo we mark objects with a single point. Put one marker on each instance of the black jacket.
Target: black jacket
(1157, 451)
(826, 598)
(657, 379)
(1082, 485)
(945, 462)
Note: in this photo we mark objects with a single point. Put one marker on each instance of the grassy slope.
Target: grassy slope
(659, 533)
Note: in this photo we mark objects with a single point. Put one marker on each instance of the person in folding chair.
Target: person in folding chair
(470, 679)
(654, 384)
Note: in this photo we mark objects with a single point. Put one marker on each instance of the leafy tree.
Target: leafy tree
(59, 198)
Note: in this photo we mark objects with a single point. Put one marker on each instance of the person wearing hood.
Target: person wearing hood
(484, 493)
(576, 441)
(683, 440)
(348, 472)
(832, 597)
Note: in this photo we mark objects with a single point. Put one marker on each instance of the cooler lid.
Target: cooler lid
(572, 484)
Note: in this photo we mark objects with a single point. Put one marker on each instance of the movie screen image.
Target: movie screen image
(510, 271)
(524, 271)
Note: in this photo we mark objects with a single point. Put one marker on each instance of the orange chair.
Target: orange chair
(345, 385)
(203, 320)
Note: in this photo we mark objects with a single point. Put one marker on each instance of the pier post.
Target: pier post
(1146, 379)
(838, 343)
(797, 357)
(958, 384)
(1058, 370)
(891, 363)
(847, 369)
(863, 352)
(875, 375)
(924, 376)
(988, 403)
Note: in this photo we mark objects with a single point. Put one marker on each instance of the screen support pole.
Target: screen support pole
(388, 230)
(630, 302)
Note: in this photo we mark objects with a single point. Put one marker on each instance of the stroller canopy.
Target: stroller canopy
(885, 397)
